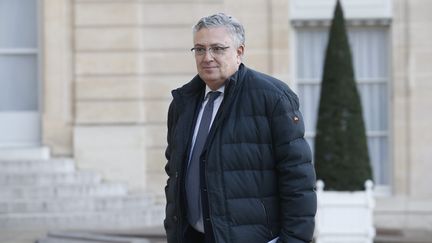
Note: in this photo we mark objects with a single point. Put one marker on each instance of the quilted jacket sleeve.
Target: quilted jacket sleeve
(169, 210)
(296, 175)
(170, 124)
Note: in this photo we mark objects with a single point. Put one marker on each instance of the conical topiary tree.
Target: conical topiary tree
(341, 154)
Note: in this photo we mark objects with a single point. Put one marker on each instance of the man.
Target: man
(239, 168)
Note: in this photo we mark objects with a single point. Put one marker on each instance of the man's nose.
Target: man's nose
(208, 56)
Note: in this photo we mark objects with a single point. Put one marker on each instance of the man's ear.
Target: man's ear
(240, 53)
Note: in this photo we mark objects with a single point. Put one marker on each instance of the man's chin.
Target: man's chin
(208, 76)
(208, 72)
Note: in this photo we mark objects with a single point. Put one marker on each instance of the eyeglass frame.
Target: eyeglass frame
(220, 50)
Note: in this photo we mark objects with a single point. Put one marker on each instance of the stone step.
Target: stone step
(42, 179)
(37, 166)
(62, 191)
(86, 204)
(403, 236)
(19, 153)
(77, 237)
(52, 194)
(116, 220)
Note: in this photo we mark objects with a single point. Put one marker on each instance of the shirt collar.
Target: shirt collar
(208, 90)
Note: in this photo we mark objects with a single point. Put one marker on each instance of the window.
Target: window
(18, 55)
(369, 47)
(19, 74)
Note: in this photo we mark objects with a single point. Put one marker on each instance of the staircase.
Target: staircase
(53, 194)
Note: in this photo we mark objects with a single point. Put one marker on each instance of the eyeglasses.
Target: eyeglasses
(214, 51)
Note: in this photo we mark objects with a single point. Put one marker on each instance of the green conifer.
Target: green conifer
(341, 153)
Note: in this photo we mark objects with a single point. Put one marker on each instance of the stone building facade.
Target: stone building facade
(106, 68)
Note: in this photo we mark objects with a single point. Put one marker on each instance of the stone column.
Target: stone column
(57, 75)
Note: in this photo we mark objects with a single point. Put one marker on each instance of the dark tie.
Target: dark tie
(193, 172)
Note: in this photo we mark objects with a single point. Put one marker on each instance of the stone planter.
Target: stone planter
(345, 217)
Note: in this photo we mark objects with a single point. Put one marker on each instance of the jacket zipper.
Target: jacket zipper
(267, 219)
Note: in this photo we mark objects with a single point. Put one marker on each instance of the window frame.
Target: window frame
(38, 53)
(380, 190)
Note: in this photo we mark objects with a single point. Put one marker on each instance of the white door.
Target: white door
(19, 86)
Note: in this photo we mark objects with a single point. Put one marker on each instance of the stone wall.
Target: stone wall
(410, 205)
(129, 55)
(124, 59)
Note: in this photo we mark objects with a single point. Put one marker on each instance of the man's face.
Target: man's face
(216, 66)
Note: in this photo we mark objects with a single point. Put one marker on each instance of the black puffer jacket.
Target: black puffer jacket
(257, 176)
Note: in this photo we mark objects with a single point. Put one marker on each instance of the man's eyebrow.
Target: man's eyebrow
(211, 45)
(217, 44)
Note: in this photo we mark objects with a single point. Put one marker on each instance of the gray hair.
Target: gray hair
(222, 20)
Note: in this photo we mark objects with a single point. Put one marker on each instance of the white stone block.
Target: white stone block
(17, 153)
(180, 13)
(160, 39)
(72, 237)
(62, 191)
(113, 63)
(40, 179)
(129, 87)
(109, 88)
(117, 152)
(37, 166)
(133, 63)
(107, 13)
(133, 38)
(112, 38)
(110, 112)
(79, 204)
(160, 86)
(79, 220)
